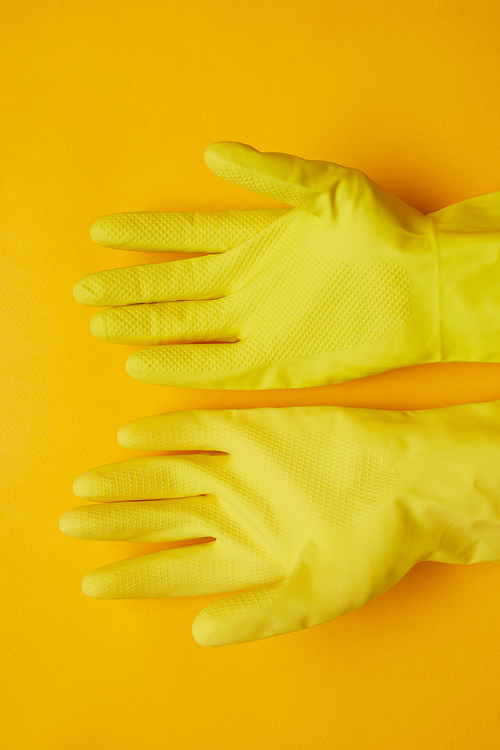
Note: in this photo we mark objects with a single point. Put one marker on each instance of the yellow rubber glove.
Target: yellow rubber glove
(351, 282)
(316, 510)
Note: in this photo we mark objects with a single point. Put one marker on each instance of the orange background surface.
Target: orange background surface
(108, 107)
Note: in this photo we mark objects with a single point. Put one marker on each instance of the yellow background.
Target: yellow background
(108, 107)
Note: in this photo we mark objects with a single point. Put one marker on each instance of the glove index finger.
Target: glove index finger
(182, 231)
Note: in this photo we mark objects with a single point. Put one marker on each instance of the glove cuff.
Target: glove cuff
(469, 284)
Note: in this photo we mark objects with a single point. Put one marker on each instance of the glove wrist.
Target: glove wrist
(469, 285)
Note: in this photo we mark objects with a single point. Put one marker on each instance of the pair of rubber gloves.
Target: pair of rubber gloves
(314, 511)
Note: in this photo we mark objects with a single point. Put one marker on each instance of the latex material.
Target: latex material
(314, 510)
(350, 282)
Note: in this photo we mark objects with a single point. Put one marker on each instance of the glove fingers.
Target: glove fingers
(194, 570)
(184, 571)
(152, 521)
(156, 478)
(195, 365)
(205, 278)
(208, 277)
(186, 231)
(298, 182)
(207, 430)
(170, 322)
